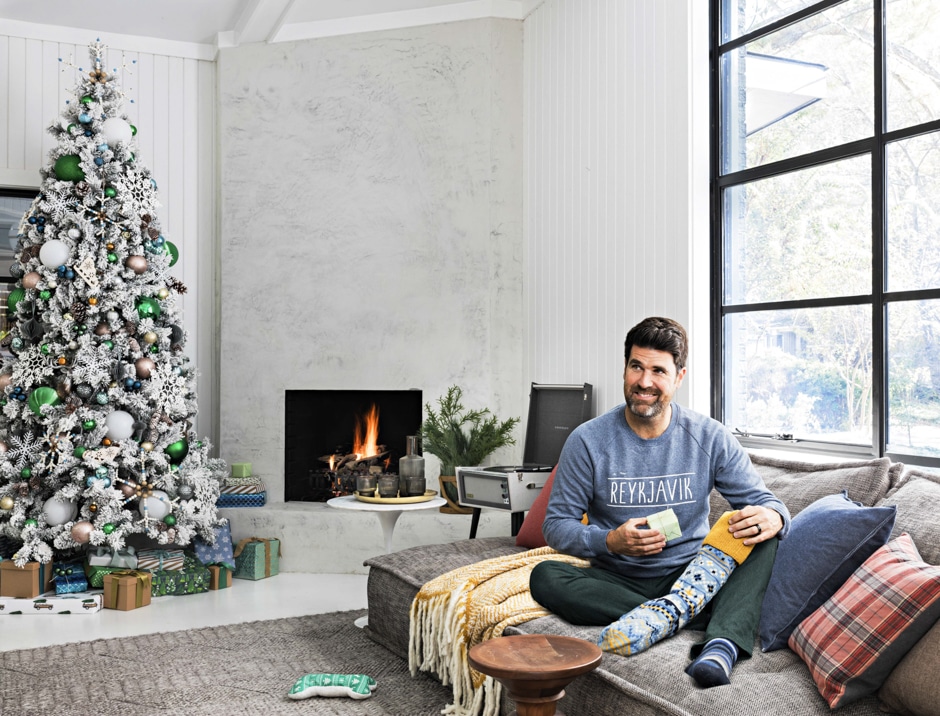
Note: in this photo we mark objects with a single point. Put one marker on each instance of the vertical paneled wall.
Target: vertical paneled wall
(616, 185)
(171, 101)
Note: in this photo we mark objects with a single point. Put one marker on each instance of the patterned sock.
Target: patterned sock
(659, 618)
(712, 667)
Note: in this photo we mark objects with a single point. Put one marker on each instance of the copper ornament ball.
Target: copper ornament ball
(31, 279)
(137, 264)
(81, 531)
(144, 366)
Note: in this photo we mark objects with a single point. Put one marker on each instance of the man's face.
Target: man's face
(650, 379)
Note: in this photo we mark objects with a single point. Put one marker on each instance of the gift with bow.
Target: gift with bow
(257, 558)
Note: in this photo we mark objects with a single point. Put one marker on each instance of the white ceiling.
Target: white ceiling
(224, 23)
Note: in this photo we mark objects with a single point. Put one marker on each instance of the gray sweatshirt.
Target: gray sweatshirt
(609, 472)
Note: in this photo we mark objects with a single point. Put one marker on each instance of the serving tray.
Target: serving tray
(428, 495)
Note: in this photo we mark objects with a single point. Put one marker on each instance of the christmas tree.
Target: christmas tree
(96, 440)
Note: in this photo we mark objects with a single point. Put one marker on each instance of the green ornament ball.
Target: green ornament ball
(109, 343)
(177, 451)
(79, 451)
(30, 522)
(169, 520)
(89, 424)
(26, 473)
(43, 395)
(16, 295)
(45, 294)
(174, 252)
(87, 99)
(68, 168)
(148, 307)
(133, 131)
(107, 528)
(112, 257)
(110, 192)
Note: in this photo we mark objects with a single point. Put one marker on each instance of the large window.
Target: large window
(826, 224)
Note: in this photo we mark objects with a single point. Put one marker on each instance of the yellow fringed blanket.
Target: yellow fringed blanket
(463, 607)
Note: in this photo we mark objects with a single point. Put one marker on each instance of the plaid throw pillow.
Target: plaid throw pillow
(854, 640)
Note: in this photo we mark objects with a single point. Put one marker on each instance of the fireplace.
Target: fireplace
(322, 428)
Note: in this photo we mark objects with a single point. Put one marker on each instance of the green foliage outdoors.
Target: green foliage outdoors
(457, 436)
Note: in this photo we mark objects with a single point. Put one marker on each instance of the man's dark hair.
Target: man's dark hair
(659, 334)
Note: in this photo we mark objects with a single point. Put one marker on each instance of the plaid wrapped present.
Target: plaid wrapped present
(257, 558)
(193, 578)
(256, 500)
(242, 486)
(70, 583)
(160, 559)
(221, 551)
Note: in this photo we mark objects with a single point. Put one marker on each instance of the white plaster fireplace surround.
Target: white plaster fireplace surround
(371, 228)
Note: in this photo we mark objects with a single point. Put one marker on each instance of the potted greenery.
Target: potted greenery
(460, 437)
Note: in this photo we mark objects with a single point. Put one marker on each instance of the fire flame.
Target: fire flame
(366, 440)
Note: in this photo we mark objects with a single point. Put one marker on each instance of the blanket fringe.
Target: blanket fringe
(464, 607)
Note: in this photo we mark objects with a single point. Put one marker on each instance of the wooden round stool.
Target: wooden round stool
(535, 668)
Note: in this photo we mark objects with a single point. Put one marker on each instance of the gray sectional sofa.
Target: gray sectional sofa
(653, 683)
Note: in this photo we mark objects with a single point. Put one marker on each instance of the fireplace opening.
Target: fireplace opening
(330, 436)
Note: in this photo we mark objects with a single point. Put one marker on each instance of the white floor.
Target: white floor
(288, 594)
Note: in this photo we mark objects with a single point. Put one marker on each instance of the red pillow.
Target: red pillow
(530, 534)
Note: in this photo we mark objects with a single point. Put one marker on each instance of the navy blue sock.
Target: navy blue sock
(712, 667)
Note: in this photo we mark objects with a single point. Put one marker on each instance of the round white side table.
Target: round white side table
(388, 515)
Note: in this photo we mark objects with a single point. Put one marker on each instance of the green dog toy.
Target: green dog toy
(355, 686)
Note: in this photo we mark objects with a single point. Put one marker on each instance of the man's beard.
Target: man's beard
(646, 410)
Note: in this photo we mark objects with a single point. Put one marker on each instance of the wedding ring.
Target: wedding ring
(759, 530)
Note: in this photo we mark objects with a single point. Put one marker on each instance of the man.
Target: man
(641, 458)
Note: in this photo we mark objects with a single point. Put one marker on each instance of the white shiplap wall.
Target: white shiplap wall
(171, 100)
(616, 185)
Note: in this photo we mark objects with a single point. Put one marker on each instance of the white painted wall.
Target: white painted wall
(171, 99)
(616, 186)
(372, 223)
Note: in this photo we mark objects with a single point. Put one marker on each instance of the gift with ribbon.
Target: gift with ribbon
(254, 500)
(68, 569)
(193, 578)
(127, 589)
(220, 576)
(160, 559)
(124, 558)
(257, 558)
(70, 583)
(26, 582)
(99, 556)
(219, 552)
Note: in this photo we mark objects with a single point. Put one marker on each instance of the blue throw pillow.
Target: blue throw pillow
(827, 542)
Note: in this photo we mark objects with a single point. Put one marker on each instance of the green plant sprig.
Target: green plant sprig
(462, 437)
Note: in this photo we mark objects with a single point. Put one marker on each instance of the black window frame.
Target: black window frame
(880, 299)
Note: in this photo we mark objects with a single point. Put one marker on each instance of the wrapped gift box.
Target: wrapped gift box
(70, 583)
(68, 569)
(220, 576)
(246, 486)
(160, 559)
(257, 558)
(193, 578)
(26, 582)
(221, 551)
(127, 589)
(241, 469)
(95, 575)
(255, 500)
(85, 603)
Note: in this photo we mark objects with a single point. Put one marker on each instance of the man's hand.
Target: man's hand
(754, 524)
(630, 540)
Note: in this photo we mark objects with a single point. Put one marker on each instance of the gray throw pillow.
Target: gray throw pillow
(827, 542)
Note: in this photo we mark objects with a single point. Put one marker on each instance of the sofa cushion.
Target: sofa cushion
(827, 542)
(913, 689)
(854, 640)
(913, 496)
(799, 484)
(530, 534)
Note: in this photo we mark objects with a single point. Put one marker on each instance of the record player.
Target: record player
(554, 411)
